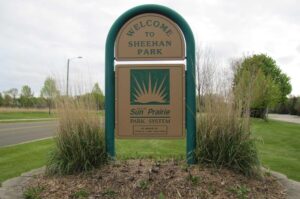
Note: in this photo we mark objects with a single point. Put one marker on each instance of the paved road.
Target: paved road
(285, 118)
(14, 133)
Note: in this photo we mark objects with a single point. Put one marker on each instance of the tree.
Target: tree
(98, 96)
(49, 91)
(297, 106)
(1, 99)
(7, 100)
(267, 86)
(26, 97)
(26, 91)
(39, 102)
(293, 105)
(13, 92)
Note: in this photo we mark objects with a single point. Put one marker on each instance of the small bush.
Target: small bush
(143, 184)
(82, 193)
(109, 193)
(290, 106)
(161, 196)
(33, 192)
(193, 179)
(80, 138)
(224, 142)
(240, 191)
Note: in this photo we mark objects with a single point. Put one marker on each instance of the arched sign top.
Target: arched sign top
(150, 36)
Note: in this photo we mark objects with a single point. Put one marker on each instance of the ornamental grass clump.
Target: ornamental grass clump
(79, 143)
(224, 139)
(223, 123)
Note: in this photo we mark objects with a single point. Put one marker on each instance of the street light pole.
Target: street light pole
(68, 65)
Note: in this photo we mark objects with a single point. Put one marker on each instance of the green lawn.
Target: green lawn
(17, 159)
(150, 148)
(279, 147)
(279, 150)
(24, 115)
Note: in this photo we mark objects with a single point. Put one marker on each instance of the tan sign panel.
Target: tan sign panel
(150, 101)
(150, 36)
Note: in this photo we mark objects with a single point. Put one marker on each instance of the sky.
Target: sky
(37, 37)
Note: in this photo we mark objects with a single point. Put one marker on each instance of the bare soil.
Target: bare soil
(153, 179)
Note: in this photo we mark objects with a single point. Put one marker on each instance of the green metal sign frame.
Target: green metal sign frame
(190, 94)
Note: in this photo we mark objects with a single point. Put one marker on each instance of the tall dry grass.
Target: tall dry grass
(223, 125)
(79, 145)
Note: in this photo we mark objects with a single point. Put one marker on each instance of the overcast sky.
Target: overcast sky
(38, 36)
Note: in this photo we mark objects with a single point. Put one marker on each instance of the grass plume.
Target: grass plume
(80, 137)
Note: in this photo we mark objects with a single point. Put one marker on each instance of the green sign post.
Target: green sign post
(190, 89)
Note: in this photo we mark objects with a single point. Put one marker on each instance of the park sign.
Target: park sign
(150, 101)
(147, 93)
(150, 36)
(149, 98)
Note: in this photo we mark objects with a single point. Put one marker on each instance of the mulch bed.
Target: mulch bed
(153, 179)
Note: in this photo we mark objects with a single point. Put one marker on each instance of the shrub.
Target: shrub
(33, 192)
(223, 131)
(297, 106)
(241, 191)
(81, 193)
(80, 138)
(222, 140)
(290, 106)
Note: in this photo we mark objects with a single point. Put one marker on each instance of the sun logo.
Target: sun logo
(150, 86)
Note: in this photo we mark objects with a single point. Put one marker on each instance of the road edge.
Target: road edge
(26, 142)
